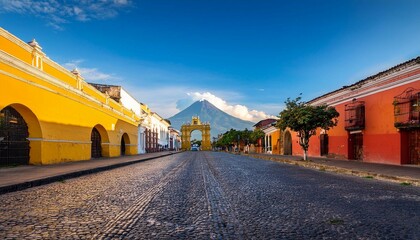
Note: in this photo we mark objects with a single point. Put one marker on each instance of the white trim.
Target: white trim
(59, 140)
(369, 88)
(15, 40)
(37, 73)
(7, 59)
(271, 129)
(368, 93)
(355, 132)
(116, 144)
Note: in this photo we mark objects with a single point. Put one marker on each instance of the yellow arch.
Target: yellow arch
(35, 132)
(127, 144)
(105, 144)
(196, 124)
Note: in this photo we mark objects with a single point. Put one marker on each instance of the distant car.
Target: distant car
(195, 149)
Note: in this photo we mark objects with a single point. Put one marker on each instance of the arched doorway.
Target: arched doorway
(287, 143)
(124, 142)
(14, 143)
(122, 148)
(96, 148)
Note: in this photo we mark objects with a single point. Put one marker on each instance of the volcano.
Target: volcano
(220, 122)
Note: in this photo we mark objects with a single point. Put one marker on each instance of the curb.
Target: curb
(62, 177)
(328, 168)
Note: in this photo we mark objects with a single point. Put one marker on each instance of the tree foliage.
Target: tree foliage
(305, 119)
(255, 135)
(233, 136)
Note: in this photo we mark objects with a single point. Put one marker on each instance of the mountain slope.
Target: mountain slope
(220, 122)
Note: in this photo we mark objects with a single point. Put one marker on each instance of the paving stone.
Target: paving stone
(210, 195)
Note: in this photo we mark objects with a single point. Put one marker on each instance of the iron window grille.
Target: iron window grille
(407, 109)
(355, 116)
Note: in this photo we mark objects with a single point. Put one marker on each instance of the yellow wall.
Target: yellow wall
(276, 142)
(59, 116)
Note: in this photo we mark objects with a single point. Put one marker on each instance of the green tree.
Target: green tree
(228, 138)
(255, 135)
(246, 136)
(305, 119)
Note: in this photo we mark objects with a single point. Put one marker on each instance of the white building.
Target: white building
(153, 130)
(160, 127)
(269, 130)
(174, 139)
(144, 125)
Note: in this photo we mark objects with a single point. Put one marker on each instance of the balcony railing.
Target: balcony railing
(355, 116)
(407, 109)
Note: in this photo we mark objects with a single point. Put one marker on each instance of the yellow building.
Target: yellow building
(277, 141)
(50, 115)
(272, 140)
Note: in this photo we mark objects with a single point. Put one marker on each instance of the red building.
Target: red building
(379, 119)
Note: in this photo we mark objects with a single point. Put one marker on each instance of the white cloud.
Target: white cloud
(91, 74)
(239, 111)
(58, 12)
(166, 102)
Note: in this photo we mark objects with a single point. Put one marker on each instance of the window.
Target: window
(355, 115)
(407, 109)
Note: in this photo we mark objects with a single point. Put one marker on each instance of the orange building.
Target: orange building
(378, 122)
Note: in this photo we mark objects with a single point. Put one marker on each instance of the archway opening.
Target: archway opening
(287, 143)
(14, 143)
(196, 140)
(122, 148)
(96, 147)
(124, 140)
(188, 128)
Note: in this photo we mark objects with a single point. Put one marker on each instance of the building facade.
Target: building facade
(50, 115)
(262, 145)
(142, 111)
(156, 133)
(143, 128)
(379, 119)
(174, 139)
(272, 139)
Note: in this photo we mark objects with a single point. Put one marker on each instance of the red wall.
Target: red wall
(381, 140)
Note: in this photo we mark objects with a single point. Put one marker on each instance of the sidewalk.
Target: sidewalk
(405, 174)
(22, 177)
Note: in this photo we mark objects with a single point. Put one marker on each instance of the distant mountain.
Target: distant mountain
(220, 122)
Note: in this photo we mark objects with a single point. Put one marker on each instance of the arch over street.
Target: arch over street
(188, 128)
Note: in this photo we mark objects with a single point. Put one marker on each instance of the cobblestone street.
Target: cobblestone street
(209, 195)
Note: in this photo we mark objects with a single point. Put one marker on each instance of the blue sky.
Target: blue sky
(247, 57)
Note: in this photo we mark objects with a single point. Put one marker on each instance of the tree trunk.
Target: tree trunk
(305, 157)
